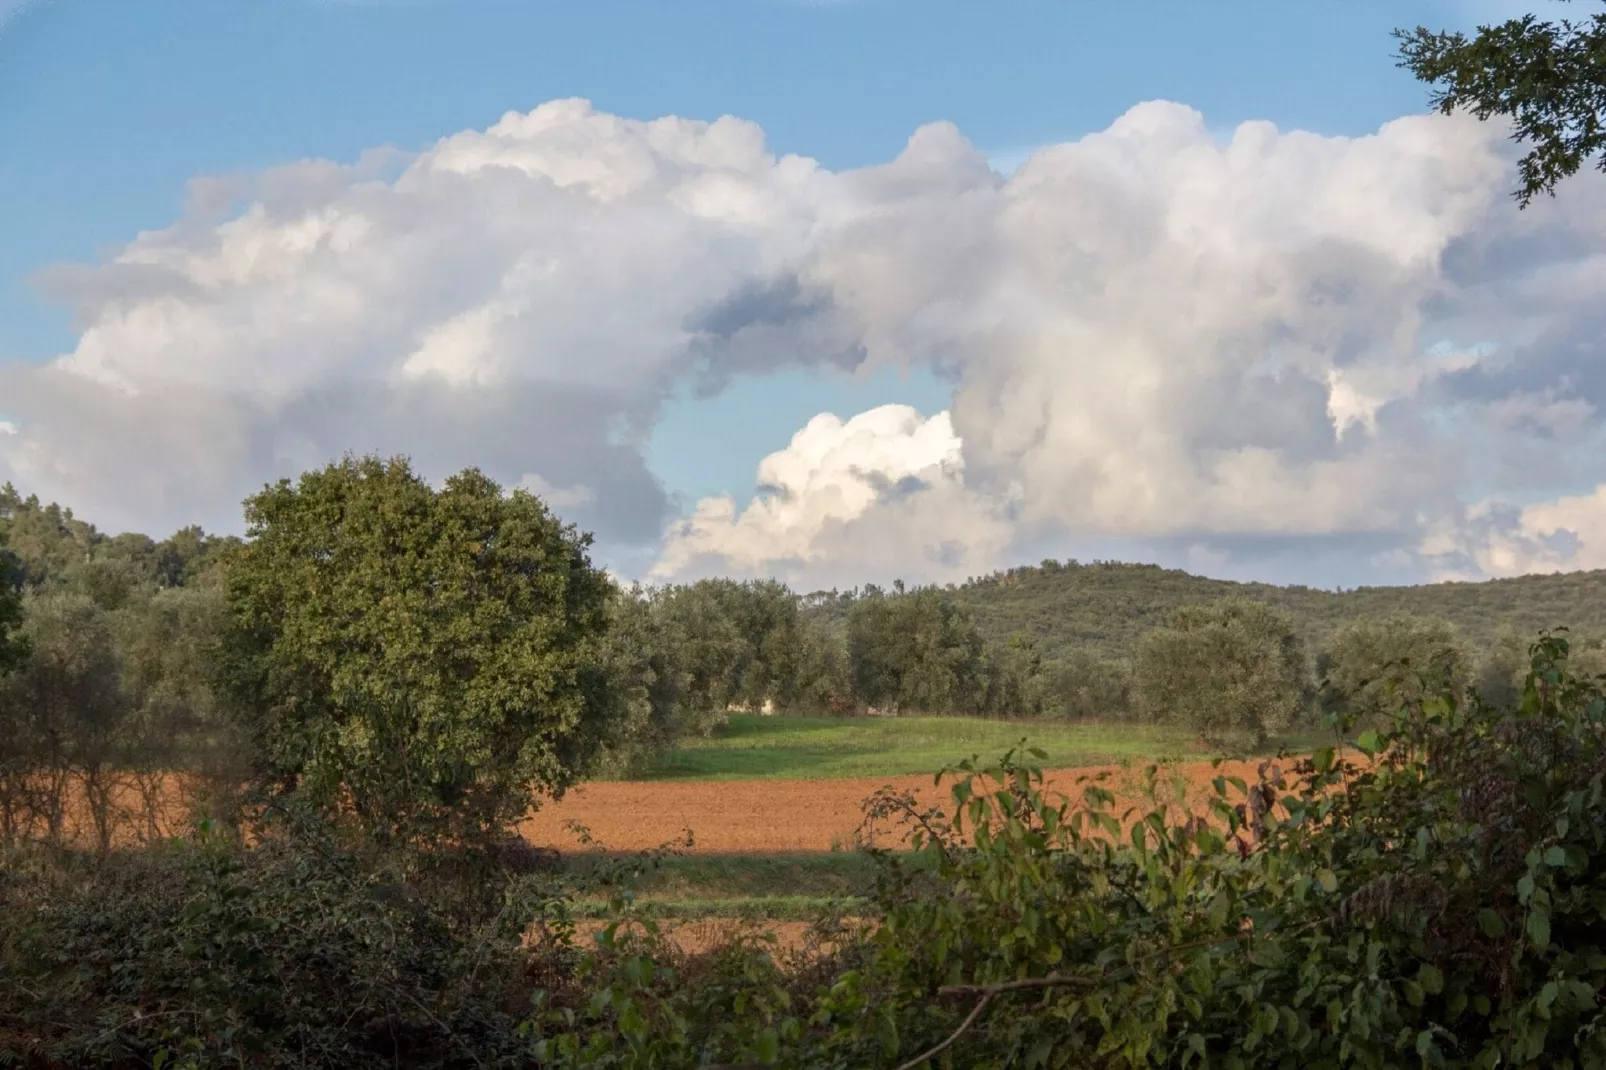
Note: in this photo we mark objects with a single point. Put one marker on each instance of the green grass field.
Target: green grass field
(751, 746)
(810, 748)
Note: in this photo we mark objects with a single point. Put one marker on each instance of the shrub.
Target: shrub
(294, 953)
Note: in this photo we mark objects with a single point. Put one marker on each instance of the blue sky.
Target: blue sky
(108, 109)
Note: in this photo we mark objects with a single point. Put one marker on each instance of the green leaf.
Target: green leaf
(1322, 759)
(768, 1046)
(1431, 979)
(1555, 857)
(1328, 880)
(1539, 927)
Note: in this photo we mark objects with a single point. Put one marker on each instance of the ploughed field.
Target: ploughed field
(774, 808)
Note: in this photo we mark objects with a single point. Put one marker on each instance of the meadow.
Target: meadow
(756, 747)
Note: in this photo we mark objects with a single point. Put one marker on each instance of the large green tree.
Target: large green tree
(1548, 78)
(1234, 672)
(428, 660)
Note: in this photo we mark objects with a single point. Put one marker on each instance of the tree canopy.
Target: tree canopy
(1234, 672)
(1548, 78)
(1374, 667)
(426, 658)
(11, 645)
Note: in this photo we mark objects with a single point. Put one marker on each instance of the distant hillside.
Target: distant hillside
(1106, 607)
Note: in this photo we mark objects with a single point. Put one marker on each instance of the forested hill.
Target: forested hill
(1106, 607)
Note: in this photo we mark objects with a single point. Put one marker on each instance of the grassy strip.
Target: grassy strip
(751, 746)
(742, 908)
(820, 875)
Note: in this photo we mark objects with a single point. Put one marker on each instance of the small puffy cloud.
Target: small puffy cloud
(882, 491)
(1268, 343)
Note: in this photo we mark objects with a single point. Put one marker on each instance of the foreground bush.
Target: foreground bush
(292, 954)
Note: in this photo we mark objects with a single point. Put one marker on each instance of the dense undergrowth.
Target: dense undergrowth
(1441, 903)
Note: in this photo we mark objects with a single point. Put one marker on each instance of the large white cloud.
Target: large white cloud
(1156, 337)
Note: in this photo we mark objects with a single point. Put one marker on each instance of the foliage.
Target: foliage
(1014, 680)
(1373, 667)
(1437, 904)
(1234, 672)
(60, 720)
(1105, 608)
(740, 644)
(12, 647)
(293, 954)
(1548, 78)
(916, 651)
(1086, 687)
(1434, 902)
(108, 713)
(426, 658)
(54, 548)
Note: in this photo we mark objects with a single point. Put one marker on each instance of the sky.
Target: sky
(837, 291)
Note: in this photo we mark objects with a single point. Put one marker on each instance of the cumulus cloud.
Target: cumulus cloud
(1157, 337)
(883, 491)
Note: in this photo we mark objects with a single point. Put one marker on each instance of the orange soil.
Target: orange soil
(773, 816)
(726, 817)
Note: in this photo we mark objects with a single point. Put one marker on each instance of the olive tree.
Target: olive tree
(61, 721)
(1234, 672)
(1373, 668)
(426, 660)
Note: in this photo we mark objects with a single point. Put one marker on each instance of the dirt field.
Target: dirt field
(758, 816)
